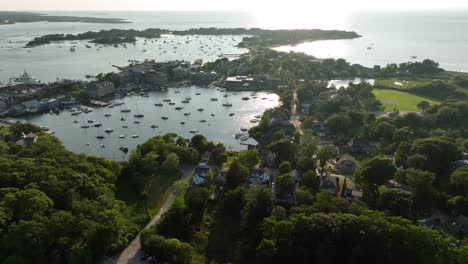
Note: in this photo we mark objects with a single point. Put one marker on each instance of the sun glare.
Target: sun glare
(301, 17)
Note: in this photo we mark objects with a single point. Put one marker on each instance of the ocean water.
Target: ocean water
(397, 37)
(394, 37)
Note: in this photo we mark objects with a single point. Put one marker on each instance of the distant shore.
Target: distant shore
(10, 17)
(254, 37)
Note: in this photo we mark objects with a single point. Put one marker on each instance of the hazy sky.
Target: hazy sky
(235, 5)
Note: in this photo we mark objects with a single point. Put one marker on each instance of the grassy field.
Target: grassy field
(409, 82)
(401, 100)
(400, 83)
(157, 190)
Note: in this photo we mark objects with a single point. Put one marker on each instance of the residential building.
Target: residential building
(278, 118)
(259, 176)
(329, 182)
(305, 108)
(346, 164)
(180, 73)
(221, 178)
(27, 140)
(205, 158)
(359, 145)
(461, 225)
(200, 175)
(96, 89)
(459, 164)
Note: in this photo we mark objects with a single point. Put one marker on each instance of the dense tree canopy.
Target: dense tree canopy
(58, 207)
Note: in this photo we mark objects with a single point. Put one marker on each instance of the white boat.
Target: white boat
(193, 131)
(122, 136)
(135, 136)
(109, 130)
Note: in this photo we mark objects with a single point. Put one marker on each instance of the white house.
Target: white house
(199, 176)
(259, 176)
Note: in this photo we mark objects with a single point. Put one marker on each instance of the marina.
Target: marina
(121, 129)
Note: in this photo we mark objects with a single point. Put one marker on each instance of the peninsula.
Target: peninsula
(7, 17)
(254, 37)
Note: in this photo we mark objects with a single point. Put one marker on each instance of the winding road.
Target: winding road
(133, 253)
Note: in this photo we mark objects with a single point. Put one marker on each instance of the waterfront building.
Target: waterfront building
(238, 82)
(99, 89)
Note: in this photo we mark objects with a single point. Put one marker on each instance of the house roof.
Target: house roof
(329, 182)
(346, 157)
(31, 135)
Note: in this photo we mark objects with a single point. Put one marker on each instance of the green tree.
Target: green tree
(199, 142)
(423, 105)
(249, 158)
(304, 196)
(285, 183)
(403, 134)
(309, 181)
(374, 172)
(236, 175)
(339, 124)
(285, 167)
(284, 149)
(421, 185)
(396, 202)
(259, 204)
(265, 251)
(279, 213)
(171, 163)
(459, 178)
(324, 154)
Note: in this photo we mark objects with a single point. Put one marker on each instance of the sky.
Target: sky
(234, 5)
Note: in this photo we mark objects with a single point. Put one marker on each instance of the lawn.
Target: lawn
(403, 83)
(401, 100)
(157, 191)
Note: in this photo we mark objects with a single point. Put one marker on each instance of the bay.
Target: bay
(221, 127)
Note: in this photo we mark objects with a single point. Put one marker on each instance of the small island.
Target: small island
(254, 37)
(7, 18)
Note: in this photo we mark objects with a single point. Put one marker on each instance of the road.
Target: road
(133, 253)
(294, 115)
